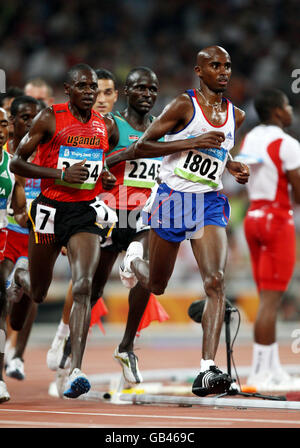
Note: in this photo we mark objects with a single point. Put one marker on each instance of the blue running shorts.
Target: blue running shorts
(176, 216)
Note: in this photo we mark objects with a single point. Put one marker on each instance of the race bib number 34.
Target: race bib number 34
(69, 155)
(204, 166)
(141, 172)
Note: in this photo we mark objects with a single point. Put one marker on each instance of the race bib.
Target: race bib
(142, 172)
(204, 166)
(68, 155)
(44, 219)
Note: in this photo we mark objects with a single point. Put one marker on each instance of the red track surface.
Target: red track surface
(31, 406)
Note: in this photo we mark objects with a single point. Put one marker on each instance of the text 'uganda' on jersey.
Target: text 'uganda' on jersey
(135, 178)
(72, 142)
(199, 170)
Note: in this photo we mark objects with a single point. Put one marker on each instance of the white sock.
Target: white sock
(261, 360)
(205, 364)
(275, 360)
(63, 330)
(134, 250)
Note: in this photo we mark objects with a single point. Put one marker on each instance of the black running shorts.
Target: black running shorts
(55, 222)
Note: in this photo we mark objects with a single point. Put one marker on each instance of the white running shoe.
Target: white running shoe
(129, 363)
(9, 352)
(15, 369)
(4, 395)
(61, 380)
(128, 278)
(77, 384)
(278, 380)
(56, 352)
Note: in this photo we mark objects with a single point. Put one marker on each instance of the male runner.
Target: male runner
(199, 128)
(128, 196)
(274, 158)
(11, 191)
(104, 104)
(71, 140)
(23, 111)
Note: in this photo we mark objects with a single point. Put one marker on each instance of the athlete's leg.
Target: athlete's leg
(42, 258)
(210, 252)
(6, 266)
(104, 268)
(162, 258)
(138, 295)
(84, 255)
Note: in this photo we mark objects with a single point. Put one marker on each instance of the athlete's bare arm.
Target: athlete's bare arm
(41, 131)
(107, 178)
(240, 171)
(173, 118)
(18, 202)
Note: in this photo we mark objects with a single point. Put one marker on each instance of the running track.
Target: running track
(31, 406)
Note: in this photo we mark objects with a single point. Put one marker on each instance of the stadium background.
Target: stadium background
(46, 38)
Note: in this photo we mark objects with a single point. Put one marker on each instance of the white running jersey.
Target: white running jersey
(270, 153)
(198, 170)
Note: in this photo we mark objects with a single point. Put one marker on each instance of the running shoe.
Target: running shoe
(77, 384)
(15, 369)
(129, 363)
(4, 395)
(56, 354)
(127, 277)
(212, 381)
(278, 380)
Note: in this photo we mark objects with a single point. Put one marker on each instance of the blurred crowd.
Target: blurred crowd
(44, 39)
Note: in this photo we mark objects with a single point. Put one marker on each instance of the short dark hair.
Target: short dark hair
(40, 82)
(11, 92)
(140, 69)
(266, 101)
(24, 99)
(76, 68)
(102, 73)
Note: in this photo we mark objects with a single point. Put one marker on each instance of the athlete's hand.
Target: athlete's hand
(77, 173)
(239, 170)
(212, 139)
(108, 180)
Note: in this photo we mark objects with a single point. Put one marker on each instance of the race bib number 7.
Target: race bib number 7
(204, 166)
(69, 155)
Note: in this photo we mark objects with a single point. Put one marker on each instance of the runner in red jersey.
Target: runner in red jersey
(71, 141)
(274, 158)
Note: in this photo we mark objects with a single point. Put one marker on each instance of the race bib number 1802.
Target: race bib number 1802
(204, 166)
(68, 156)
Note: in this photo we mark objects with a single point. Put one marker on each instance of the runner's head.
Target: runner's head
(108, 93)
(38, 88)
(141, 89)
(3, 127)
(272, 106)
(81, 86)
(7, 98)
(23, 110)
(214, 68)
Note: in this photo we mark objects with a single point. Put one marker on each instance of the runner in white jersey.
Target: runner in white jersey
(274, 159)
(199, 128)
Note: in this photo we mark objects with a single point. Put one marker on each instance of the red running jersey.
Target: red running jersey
(72, 142)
